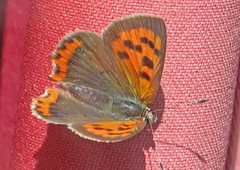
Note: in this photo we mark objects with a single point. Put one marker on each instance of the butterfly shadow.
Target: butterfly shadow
(62, 149)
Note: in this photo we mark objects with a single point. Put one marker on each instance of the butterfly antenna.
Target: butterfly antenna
(156, 146)
(185, 104)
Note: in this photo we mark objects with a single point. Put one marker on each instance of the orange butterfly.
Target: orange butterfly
(107, 82)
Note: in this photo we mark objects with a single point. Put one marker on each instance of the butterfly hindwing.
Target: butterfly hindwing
(60, 107)
(138, 45)
(108, 131)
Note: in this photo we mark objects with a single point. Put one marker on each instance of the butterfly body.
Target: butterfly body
(106, 82)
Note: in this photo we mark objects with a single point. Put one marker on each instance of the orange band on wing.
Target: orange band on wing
(43, 102)
(112, 129)
(62, 57)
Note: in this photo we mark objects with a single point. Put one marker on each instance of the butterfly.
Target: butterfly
(106, 82)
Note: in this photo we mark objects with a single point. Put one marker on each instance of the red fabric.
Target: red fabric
(16, 17)
(201, 62)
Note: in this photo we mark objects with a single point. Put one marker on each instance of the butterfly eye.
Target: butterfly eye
(127, 108)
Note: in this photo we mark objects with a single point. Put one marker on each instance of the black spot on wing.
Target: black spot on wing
(123, 55)
(145, 40)
(144, 75)
(138, 48)
(98, 128)
(128, 44)
(124, 128)
(147, 62)
(156, 52)
(151, 44)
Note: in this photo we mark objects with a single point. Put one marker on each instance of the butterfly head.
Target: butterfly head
(148, 115)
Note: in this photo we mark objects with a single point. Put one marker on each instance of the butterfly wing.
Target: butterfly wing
(61, 107)
(83, 60)
(138, 45)
(109, 131)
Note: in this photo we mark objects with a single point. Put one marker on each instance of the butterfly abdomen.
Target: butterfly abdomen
(90, 95)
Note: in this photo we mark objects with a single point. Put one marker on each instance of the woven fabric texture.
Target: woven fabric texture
(202, 60)
(15, 14)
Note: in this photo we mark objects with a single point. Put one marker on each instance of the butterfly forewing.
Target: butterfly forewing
(82, 59)
(138, 45)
